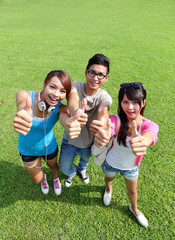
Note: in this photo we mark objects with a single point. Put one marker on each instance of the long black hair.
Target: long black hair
(134, 94)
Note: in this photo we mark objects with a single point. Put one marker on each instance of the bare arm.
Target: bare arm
(63, 114)
(73, 103)
(21, 97)
(100, 109)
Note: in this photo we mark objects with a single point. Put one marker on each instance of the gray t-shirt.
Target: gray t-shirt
(85, 138)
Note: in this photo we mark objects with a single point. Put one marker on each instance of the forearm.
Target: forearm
(21, 99)
(63, 115)
(148, 138)
(103, 113)
(73, 103)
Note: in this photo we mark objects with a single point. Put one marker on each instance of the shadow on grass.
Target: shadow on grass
(17, 185)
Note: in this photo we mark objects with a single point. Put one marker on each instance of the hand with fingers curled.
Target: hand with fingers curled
(102, 136)
(76, 122)
(22, 121)
(100, 122)
(95, 126)
(138, 142)
(73, 126)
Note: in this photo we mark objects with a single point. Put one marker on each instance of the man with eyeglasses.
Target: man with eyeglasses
(96, 103)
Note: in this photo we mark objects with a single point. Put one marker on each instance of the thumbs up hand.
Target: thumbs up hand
(74, 123)
(138, 142)
(22, 121)
(102, 136)
(83, 116)
(101, 122)
(73, 126)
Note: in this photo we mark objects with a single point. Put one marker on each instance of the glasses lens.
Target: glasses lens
(91, 73)
(101, 76)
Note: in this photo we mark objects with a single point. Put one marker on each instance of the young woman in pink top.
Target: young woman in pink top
(133, 133)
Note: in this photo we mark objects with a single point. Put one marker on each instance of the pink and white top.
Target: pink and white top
(122, 157)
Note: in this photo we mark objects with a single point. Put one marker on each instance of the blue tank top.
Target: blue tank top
(41, 132)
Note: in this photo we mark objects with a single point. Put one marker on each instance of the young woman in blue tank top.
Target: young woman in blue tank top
(37, 114)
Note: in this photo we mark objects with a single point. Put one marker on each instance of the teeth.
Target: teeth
(94, 83)
(53, 99)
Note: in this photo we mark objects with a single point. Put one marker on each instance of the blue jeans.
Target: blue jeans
(67, 156)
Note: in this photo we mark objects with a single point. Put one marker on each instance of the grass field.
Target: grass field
(139, 38)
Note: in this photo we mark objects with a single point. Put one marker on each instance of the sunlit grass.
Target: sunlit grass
(40, 36)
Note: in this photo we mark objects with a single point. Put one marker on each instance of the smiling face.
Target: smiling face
(93, 82)
(131, 108)
(54, 92)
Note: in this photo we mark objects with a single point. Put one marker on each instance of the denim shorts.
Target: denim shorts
(130, 175)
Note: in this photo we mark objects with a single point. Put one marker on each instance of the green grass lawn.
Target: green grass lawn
(139, 38)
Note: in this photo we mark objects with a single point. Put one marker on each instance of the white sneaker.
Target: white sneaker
(57, 186)
(141, 218)
(107, 198)
(85, 177)
(45, 186)
(68, 181)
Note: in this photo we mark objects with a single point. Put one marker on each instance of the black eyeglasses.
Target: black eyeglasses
(92, 73)
(135, 85)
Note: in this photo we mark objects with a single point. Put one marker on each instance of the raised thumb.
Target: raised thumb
(84, 104)
(134, 128)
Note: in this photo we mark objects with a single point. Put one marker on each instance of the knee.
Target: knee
(61, 163)
(64, 170)
(37, 180)
(63, 166)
